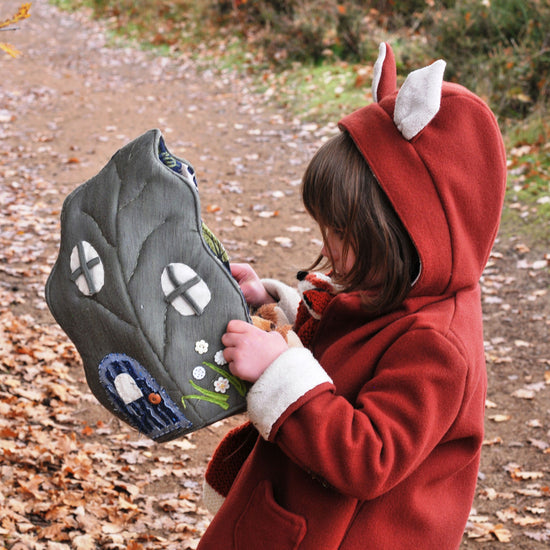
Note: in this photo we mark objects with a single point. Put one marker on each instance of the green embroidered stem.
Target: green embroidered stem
(223, 405)
(237, 382)
(214, 397)
(207, 395)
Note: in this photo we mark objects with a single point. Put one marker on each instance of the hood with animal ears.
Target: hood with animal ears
(436, 150)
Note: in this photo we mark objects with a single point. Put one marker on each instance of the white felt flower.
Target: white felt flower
(221, 385)
(201, 347)
(219, 358)
(199, 373)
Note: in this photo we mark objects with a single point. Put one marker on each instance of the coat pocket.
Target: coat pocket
(266, 525)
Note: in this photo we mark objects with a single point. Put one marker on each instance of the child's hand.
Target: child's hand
(249, 350)
(252, 288)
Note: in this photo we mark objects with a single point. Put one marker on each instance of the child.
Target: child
(370, 436)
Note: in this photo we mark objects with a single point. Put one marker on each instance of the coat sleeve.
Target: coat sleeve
(363, 448)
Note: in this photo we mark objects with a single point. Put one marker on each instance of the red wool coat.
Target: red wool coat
(371, 438)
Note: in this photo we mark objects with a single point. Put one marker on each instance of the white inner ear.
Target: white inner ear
(378, 71)
(419, 99)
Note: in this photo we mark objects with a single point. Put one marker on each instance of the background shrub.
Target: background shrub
(498, 48)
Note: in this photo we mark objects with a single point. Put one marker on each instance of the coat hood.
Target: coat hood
(436, 150)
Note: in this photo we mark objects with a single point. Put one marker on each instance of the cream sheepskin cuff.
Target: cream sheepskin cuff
(211, 499)
(287, 297)
(284, 382)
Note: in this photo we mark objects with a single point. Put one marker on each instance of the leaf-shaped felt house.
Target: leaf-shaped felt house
(144, 291)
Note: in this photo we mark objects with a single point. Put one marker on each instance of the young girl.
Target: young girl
(369, 436)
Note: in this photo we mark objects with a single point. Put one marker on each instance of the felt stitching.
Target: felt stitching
(112, 314)
(165, 345)
(85, 268)
(134, 199)
(147, 237)
(225, 381)
(182, 289)
(112, 245)
(103, 207)
(121, 206)
(155, 417)
(138, 324)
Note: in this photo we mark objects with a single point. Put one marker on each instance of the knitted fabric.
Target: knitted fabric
(316, 292)
(229, 456)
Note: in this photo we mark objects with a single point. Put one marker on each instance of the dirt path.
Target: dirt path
(65, 107)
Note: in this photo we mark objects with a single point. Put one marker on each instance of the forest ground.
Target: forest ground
(71, 476)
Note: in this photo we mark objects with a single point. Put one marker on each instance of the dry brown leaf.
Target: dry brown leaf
(525, 521)
(501, 533)
(525, 475)
(494, 441)
(83, 542)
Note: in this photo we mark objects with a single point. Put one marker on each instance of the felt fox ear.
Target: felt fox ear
(384, 80)
(419, 99)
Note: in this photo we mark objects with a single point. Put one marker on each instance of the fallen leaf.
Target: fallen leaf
(111, 528)
(524, 394)
(494, 441)
(525, 475)
(501, 533)
(240, 221)
(525, 521)
(500, 417)
(83, 542)
(298, 229)
(538, 444)
(285, 242)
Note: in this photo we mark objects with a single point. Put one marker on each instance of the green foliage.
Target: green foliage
(498, 48)
(307, 53)
(168, 24)
(318, 93)
(311, 31)
(528, 194)
(302, 30)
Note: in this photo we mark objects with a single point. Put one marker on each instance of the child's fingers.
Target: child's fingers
(242, 272)
(233, 338)
(238, 326)
(249, 350)
(250, 284)
(229, 354)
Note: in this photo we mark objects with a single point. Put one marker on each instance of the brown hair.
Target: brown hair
(341, 193)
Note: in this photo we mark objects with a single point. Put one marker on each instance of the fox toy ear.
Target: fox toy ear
(384, 80)
(419, 99)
